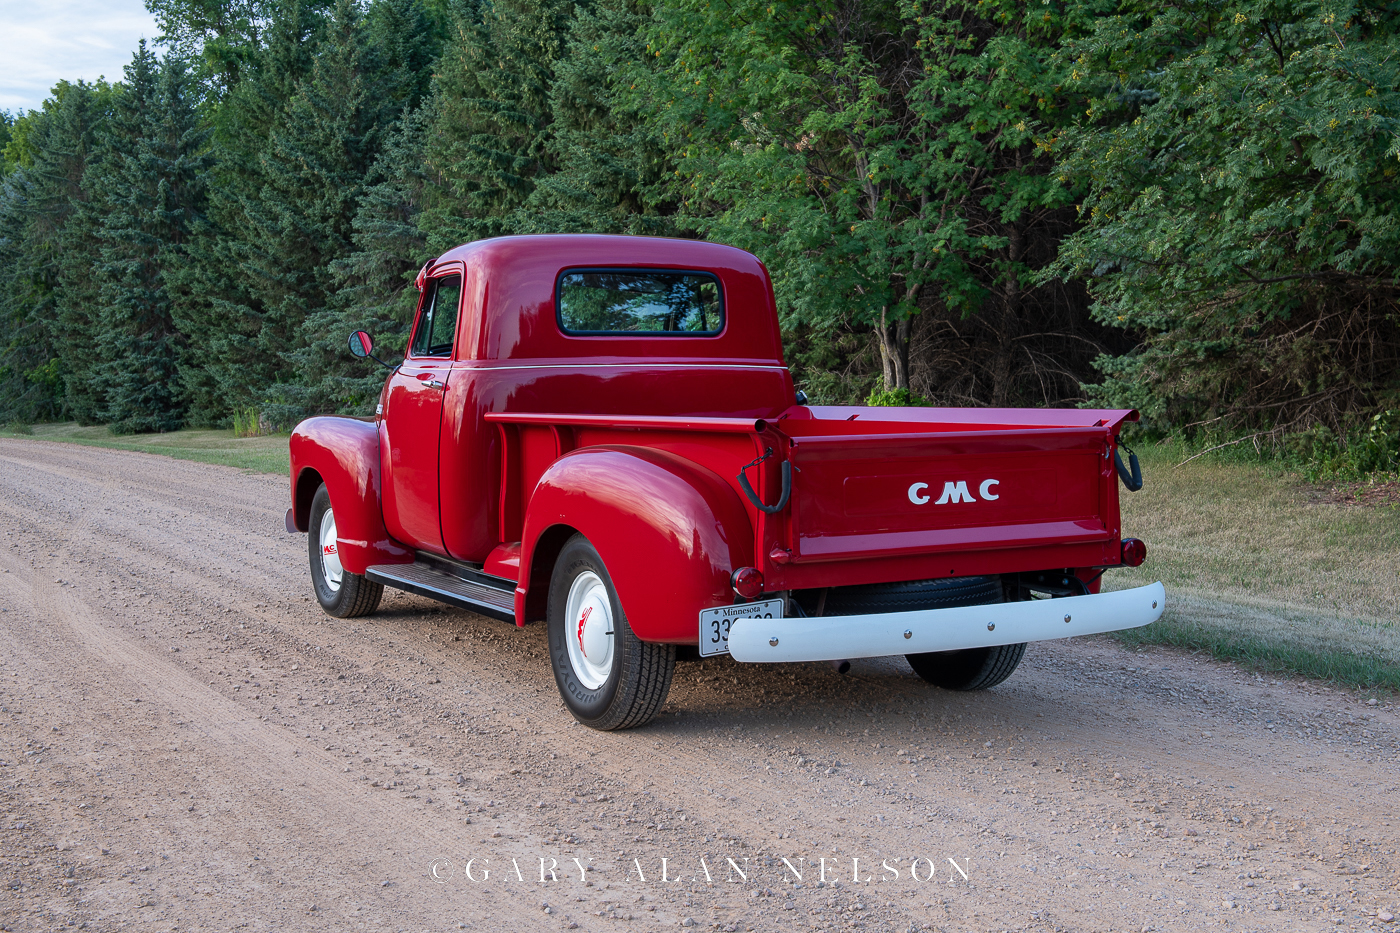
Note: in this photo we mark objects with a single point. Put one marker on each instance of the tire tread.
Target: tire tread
(360, 596)
(1000, 664)
(656, 665)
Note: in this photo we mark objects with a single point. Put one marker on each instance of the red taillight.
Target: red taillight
(1134, 552)
(747, 582)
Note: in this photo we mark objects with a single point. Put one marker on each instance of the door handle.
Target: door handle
(427, 378)
(435, 384)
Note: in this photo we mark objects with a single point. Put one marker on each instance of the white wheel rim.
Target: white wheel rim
(330, 552)
(589, 632)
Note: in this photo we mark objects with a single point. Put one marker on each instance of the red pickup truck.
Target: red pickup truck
(599, 432)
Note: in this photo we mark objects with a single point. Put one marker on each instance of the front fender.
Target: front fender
(670, 532)
(343, 453)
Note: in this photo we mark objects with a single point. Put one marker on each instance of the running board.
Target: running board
(449, 582)
(879, 634)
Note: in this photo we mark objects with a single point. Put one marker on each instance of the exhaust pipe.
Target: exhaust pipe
(840, 667)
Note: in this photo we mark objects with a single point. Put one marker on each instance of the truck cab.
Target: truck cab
(600, 433)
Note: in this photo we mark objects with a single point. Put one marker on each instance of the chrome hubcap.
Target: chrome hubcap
(330, 552)
(590, 630)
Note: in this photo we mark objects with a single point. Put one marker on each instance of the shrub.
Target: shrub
(1373, 448)
(245, 423)
(896, 398)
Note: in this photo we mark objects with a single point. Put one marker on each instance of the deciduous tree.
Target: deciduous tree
(1243, 212)
(884, 158)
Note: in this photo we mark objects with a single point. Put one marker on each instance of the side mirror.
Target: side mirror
(362, 346)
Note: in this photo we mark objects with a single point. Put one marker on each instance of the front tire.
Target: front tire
(609, 678)
(341, 594)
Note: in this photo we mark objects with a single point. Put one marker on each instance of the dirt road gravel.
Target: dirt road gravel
(188, 743)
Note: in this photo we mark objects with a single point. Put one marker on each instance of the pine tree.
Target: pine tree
(376, 291)
(223, 366)
(373, 274)
(295, 141)
(402, 41)
(7, 123)
(45, 343)
(29, 389)
(480, 158)
(150, 187)
(490, 137)
(608, 160)
(301, 222)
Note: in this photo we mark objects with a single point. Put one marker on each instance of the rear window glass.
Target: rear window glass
(640, 302)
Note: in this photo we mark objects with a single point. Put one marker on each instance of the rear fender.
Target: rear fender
(344, 454)
(670, 532)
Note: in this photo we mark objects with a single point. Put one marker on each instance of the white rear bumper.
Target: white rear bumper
(877, 635)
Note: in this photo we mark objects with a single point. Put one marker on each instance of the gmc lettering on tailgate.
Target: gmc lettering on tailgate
(991, 493)
(954, 492)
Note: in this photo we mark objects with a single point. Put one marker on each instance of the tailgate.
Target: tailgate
(872, 495)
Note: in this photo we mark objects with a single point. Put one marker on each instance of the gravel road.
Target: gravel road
(188, 743)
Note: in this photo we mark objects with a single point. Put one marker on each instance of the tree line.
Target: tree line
(1188, 208)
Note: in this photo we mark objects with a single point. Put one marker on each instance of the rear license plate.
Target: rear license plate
(714, 623)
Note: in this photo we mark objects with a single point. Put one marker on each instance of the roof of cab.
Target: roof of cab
(510, 282)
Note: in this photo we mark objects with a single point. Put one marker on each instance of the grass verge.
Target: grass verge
(1354, 652)
(1266, 571)
(258, 454)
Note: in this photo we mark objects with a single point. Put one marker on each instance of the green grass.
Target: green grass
(1266, 571)
(1355, 652)
(259, 454)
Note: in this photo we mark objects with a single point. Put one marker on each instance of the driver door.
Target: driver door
(412, 418)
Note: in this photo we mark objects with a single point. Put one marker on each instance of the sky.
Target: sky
(43, 41)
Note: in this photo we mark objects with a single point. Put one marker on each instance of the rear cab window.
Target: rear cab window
(639, 303)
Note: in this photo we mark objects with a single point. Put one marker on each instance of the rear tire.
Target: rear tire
(341, 594)
(971, 669)
(608, 677)
(915, 594)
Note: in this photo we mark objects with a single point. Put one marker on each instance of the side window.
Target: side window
(438, 322)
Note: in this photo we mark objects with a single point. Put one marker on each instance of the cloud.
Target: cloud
(45, 41)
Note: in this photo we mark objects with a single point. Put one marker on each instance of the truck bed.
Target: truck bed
(1025, 489)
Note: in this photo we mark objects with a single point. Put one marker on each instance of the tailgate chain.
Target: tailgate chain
(753, 496)
(1133, 479)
